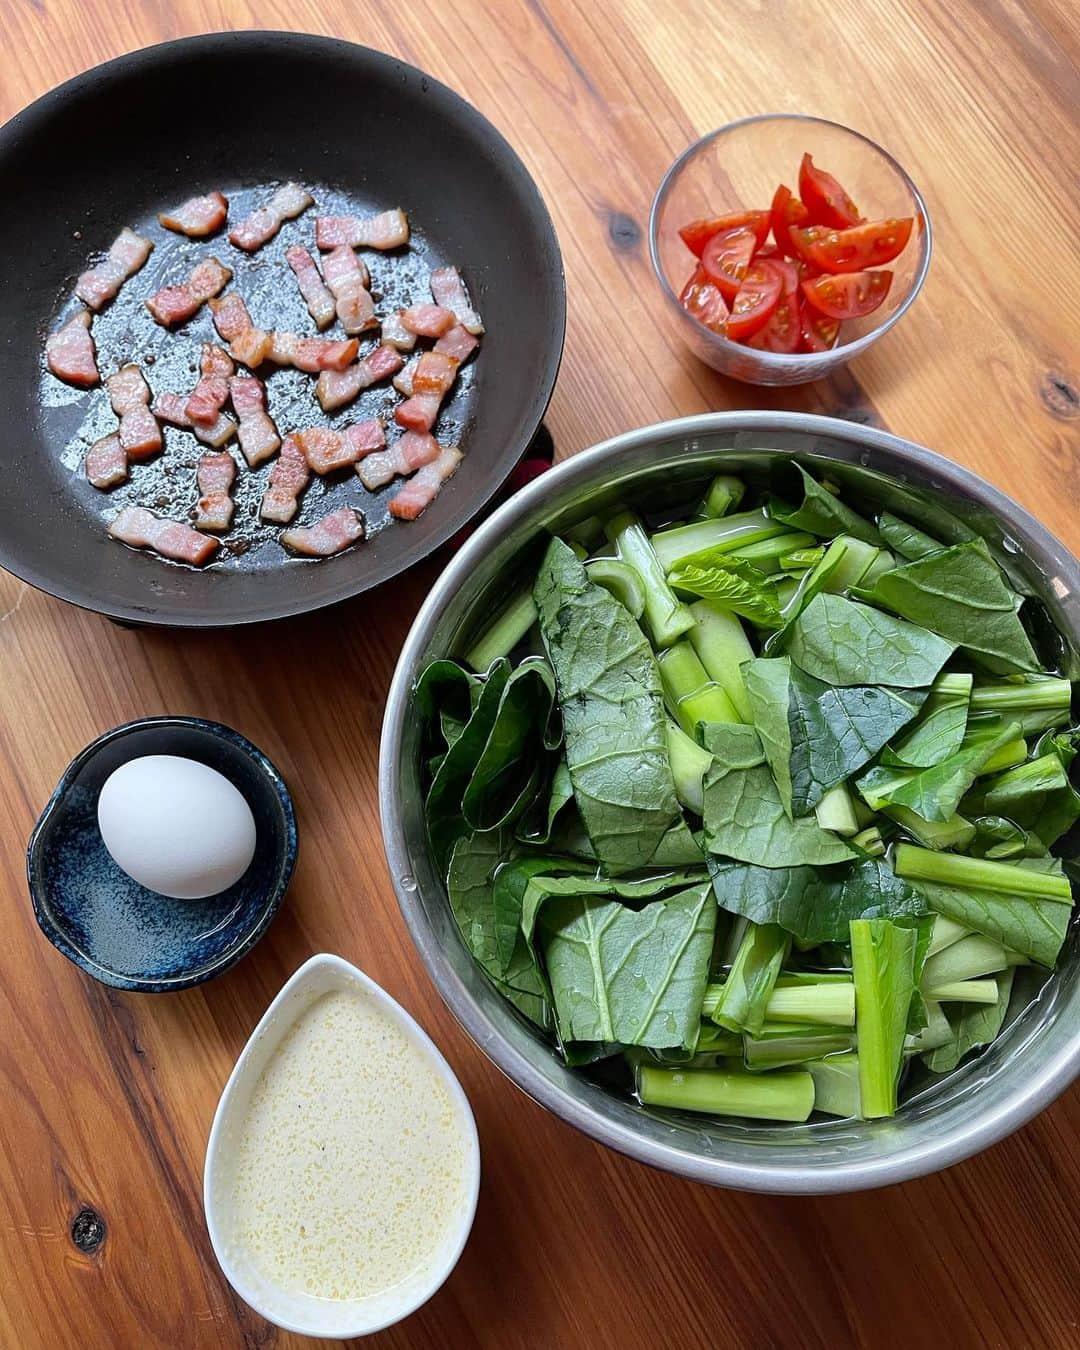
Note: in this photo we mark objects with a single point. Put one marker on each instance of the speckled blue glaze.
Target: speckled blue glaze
(118, 931)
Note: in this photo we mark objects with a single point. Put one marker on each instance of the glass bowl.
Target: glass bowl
(738, 168)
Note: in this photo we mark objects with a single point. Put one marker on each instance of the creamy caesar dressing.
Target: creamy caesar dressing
(350, 1166)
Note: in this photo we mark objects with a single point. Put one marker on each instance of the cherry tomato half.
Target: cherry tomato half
(703, 300)
(816, 332)
(698, 233)
(781, 332)
(785, 212)
(849, 296)
(727, 256)
(862, 246)
(826, 201)
(756, 300)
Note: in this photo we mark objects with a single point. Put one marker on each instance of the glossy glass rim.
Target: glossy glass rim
(788, 360)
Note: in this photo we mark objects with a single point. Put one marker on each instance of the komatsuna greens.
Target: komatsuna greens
(771, 805)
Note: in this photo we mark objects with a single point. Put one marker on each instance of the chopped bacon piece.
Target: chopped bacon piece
(174, 304)
(428, 320)
(319, 300)
(327, 536)
(423, 487)
(171, 408)
(215, 476)
(252, 347)
(106, 462)
(258, 436)
(389, 229)
(348, 280)
(335, 388)
(403, 380)
(289, 476)
(311, 354)
(140, 528)
(449, 290)
(230, 315)
(327, 450)
(70, 352)
(412, 451)
(264, 222)
(419, 412)
(129, 394)
(214, 360)
(198, 217)
(458, 343)
(126, 255)
(396, 334)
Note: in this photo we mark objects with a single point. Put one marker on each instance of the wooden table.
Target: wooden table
(107, 1098)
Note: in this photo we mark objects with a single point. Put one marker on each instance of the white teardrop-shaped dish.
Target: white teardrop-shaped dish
(337, 1319)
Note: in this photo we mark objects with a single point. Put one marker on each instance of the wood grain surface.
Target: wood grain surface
(107, 1098)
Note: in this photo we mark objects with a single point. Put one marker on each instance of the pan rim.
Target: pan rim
(155, 613)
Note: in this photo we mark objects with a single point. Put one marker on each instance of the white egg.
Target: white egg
(176, 826)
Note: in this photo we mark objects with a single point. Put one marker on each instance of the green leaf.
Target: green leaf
(537, 824)
(822, 513)
(734, 583)
(635, 977)
(905, 539)
(938, 731)
(999, 838)
(744, 816)
(972, 1025)
(750, 982)
(1038, 794)
(613, 713)
(1035, 928)
(960, 593)
(492, 932)
(510, 761)
(935, 793)
(844, 643)
(815, 905)
(816, 736)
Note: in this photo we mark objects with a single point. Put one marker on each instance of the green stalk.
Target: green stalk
(666, 617)
(1036, 703)
(1006, 756)
(831, 1003)
(715, 1040)
(586, 534)
(870, 841)
(747, 527)
(881, 563)
(883, 962)
(765, 554)
(689, 692)
(802, 559)
(508, 629)
(795, 1045)
(836, 1085)
(787, 1094)
(933, 834)
(936, 1033)
(964, 991)
(964, 960)
(836, 811)
(946, 932)
(723, 648)
(621, 581)
(724, 495)
(953, 869)
(762, 953)
(856, 557)
(688, 765)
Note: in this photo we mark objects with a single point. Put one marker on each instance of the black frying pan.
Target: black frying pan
(233, 111)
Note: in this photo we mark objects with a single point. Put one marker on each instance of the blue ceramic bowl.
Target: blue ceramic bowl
(118, 931)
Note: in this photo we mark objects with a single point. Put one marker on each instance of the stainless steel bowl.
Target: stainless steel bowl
(1034, 1059)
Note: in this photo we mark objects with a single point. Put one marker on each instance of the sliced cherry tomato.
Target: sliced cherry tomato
(701, 298)
(786, 211)
(789, 273)
(698, 233)
(781, 332)
(869, 245)
(803, 239)
(756, 300)
(826, 201)
(849, 296)
(727, 256)
(816, 332)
